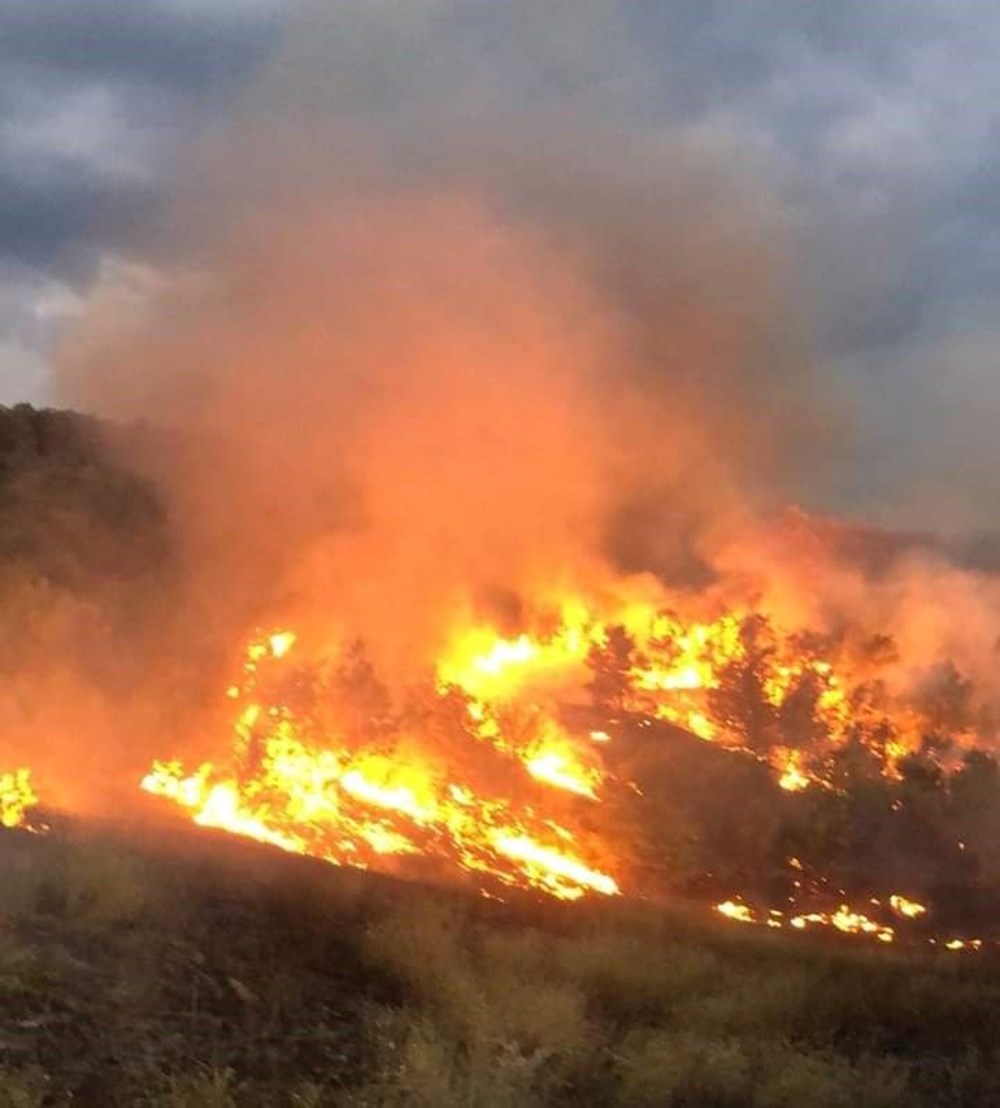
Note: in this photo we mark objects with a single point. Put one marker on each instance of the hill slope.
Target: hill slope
(159, 965)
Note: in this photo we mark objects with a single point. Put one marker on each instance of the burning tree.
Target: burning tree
(612, 664)
(739, 701)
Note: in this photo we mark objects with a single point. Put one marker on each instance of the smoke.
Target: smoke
(436, 333)
(430, 334)
(855, 581)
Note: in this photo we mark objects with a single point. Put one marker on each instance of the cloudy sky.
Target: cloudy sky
(97, 98)
(874, 123)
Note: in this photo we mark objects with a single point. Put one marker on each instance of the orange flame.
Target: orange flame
(16, 797)
(844, 919)
(354, 807)
(310, 789)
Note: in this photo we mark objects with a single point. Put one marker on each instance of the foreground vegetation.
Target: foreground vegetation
(166, 967)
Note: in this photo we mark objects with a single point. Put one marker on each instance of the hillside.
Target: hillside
(155, 963)
(162, 966)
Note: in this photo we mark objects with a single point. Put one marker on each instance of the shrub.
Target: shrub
(666, 1068)
(764, 1004)
(792, 1078)
(627, 979)
(210, 1088)
(105, 883)
(22, 1088)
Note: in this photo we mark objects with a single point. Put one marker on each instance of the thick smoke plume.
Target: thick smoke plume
(419, 348)
(422, 371)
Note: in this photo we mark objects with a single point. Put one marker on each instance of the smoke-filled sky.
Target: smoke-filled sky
(862, 138)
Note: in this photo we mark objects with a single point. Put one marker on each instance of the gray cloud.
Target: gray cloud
(96, 98)
(184, 47)
(873, 125)
(879, 125)
(878, 119)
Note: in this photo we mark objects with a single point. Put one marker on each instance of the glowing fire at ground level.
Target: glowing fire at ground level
(550, 871)
(360, 805)
(357, 807)
(292, 780)
(844, 919)
(349, 818)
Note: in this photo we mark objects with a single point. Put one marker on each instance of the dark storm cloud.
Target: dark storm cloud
(62, 219)
(188, 48)
(880, 122)
(95, 98)
(93, 95)
(874, 122)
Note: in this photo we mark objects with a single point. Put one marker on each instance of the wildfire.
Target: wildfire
(560, 874)
(734, 910)
(844, 919)
(16, 797)
(350, 805)
(792, 778)
(560, 770)
(961, 944)
(847, 920)
(654, 663)
(495, 782)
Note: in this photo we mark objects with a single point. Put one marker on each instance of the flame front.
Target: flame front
(356, 806)
(492, 780)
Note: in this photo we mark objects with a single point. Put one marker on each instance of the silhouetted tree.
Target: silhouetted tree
(945, 701)
(799, 723)
(739, 702)
(611, 664)
(974, 812)
(352, 701)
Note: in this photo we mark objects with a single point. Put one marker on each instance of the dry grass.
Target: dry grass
(220, 974)
(23, 1088)
(211, 1088)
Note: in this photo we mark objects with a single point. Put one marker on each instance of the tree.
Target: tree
(945, 701)
(356, 698)
(799, 722)
(739, 702)
(974, 811)
(611, 665)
